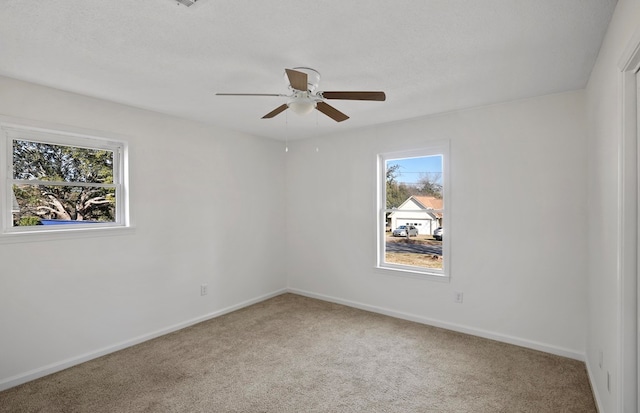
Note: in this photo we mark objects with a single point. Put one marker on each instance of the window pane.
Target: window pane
(49, 162)
(37, 204)
(420, 176)
(414, 238)
(413, 212)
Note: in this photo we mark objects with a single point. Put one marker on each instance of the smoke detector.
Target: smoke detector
(187, 2)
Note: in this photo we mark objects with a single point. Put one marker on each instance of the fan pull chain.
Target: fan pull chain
(286, 132)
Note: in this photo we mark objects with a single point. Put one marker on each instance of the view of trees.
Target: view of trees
(398, 192)
(62, 182)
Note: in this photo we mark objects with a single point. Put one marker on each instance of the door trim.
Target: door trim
(628, 180)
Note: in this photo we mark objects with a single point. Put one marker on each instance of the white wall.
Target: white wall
(192, 187)
(604, 125)
(522, 164)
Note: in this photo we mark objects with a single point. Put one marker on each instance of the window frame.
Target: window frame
(66, 136)
(431, 149)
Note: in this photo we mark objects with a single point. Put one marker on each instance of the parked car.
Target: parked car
(402, 231)
(437, 234)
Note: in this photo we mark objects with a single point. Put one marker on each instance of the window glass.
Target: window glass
(412, 212)
(61, 192)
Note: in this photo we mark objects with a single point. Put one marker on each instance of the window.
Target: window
(61, 181)
(412, 211)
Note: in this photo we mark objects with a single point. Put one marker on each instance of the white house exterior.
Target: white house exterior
(422, 211)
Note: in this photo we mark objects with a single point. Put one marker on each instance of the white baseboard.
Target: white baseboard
(449, 326)
(64, 364)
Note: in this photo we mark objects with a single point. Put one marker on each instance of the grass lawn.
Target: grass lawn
(418, 260)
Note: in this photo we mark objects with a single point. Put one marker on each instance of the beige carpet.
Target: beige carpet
(296, 354)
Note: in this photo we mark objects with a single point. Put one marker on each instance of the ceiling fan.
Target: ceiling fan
(305, 97)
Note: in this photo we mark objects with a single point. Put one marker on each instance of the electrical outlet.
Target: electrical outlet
(457, 297)
(203, 289)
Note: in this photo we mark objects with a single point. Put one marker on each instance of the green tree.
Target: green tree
(397, 193)
(35, 161)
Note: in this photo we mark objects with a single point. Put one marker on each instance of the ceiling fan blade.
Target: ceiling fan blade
(248, 94)
(331, 112)
(276, 111)
(378, 96)
(297, 80)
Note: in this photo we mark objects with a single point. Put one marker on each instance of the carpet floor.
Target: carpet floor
(297, 354)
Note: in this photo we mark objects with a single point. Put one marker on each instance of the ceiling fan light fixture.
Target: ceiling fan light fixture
(302, 106)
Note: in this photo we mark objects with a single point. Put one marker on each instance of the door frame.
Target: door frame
(628, 220)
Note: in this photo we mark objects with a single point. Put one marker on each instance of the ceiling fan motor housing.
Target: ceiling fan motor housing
(187, 2)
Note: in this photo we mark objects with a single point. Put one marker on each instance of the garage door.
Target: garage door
(425, 226)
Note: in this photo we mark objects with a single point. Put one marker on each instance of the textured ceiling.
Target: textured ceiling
(429, 56)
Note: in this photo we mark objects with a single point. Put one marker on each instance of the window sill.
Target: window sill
(405, 272)
(64, 234)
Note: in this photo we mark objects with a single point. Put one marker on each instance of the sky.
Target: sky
(412, 169)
